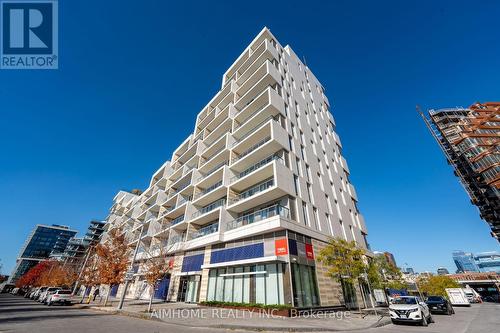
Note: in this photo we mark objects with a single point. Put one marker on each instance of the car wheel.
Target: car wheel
(424, 320)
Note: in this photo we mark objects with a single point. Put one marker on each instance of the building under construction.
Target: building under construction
(469, 138)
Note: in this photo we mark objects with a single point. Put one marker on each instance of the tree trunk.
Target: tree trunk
(151, 298)
(107, 296)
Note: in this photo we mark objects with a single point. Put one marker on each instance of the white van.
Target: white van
(457, 296)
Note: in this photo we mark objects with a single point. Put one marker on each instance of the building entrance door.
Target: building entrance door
(181, 294)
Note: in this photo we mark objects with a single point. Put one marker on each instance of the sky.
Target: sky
(133, 75)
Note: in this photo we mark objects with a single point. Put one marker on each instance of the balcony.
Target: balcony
(211, 174)
(265, 51)
(215, 159)
(267, 183)
(266, 75)
(205, 231)
(256, 173)
(258, 216)
(208, 213)
(266, 139)
(268, 103)
(209, 194)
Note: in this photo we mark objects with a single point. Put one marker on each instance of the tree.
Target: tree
(436, 285)
(113, 260)
(383, 274)
(36, 276)
(156, 267)
(345, 261)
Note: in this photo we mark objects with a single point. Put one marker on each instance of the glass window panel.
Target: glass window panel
(238, 285)
(228, 286)
(219, 293)
(260, 285)
(272, 284)
(212, 282)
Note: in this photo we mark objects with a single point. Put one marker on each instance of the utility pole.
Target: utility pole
(127, 281)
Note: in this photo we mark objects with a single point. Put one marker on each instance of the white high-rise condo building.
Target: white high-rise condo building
(250, 197)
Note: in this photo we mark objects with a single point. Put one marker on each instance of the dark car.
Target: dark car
(439, 304)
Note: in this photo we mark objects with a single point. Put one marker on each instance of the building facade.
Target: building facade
(77, 247)
(248, 200)
(43, 242)
(470, 139)
(483, 262)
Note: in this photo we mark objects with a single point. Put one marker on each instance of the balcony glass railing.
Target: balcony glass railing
(177, 220)
(176, 239)
(217, 167)
(210, 207)
(256, 166)
(208, 189)
(209, 229)
(259, 216)
(251, 149)
(254, 190)
(254, 129)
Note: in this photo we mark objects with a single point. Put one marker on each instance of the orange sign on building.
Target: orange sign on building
(281, 247)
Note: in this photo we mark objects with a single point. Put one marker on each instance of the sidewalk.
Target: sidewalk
(193, 315)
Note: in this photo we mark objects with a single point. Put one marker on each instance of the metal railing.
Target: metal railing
(210, 229)
(254, 190)
(209, 208)
(217, 167)
(251, 149)
(208, 189)
(256, 166)
(177, 220)
(259, 216)
(254, 129)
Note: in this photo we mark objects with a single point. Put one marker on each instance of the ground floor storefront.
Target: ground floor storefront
(279, 268)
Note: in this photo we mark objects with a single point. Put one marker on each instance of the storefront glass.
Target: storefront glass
(247, 284)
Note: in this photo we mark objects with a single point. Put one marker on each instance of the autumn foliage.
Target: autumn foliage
(113, 259)
(48, 273)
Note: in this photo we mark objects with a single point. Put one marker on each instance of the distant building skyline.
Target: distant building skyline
(481, 262)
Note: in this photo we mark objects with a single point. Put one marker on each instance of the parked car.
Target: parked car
(439, 304)
(38, 293)
(49, 291)
(14, 291)
(410, 309)
(61, 296)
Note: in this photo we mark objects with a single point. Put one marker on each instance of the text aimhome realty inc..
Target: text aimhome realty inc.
(222, 313)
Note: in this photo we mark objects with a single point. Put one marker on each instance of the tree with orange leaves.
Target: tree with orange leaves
(36, 276)
(113, 260)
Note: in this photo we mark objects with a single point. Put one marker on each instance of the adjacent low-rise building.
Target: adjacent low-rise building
(248, 200)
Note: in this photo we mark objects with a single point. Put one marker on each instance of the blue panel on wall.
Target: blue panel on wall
(238, 253)
(292, 247)
(192, 263)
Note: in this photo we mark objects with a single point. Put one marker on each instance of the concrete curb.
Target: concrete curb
(381, 322)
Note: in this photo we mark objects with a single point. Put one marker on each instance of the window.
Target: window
(304, 213)
(316, 219)
(296, 183)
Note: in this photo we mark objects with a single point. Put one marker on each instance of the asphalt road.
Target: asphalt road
(18, 314)
(478, 318)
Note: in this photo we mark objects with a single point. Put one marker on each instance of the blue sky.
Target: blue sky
(134, 74)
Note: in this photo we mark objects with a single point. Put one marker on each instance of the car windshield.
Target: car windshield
(64, 292)
(435, 299)
(405, 300)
